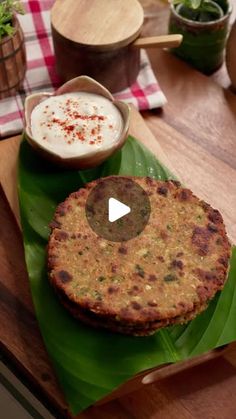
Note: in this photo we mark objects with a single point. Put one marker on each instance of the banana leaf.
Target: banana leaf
(91, 363)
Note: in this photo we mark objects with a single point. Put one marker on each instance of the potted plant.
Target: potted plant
(12, 48)
(204, 26)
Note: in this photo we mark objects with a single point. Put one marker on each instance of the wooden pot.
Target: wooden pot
(12, 61)
(99, 38)
(94, 37)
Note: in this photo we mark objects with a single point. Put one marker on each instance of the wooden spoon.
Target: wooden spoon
(163, 41)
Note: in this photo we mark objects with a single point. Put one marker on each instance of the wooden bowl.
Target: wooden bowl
(91, 159)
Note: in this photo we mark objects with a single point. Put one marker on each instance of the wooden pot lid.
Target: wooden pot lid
(102, 24)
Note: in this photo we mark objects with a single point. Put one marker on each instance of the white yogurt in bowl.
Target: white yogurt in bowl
(76, 124)
(77, 127)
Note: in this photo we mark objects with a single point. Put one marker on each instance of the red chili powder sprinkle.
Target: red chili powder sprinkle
(69, 128)
(57, 121)
(87, 117)
(80, 136)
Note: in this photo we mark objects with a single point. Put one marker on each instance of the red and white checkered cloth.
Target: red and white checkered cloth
(41, 74)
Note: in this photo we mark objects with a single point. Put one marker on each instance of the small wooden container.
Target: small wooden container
(12, 61)
(95, 38)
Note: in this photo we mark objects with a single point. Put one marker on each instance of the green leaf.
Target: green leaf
(9, 30)
(212, 11)
(192, 4)
(91, 363)
(175, 2)
(7, 10)
(195, 4)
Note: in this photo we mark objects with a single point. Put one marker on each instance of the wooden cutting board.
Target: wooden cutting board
(21, 339)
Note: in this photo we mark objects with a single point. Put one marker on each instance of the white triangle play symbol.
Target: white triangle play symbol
(116, 210)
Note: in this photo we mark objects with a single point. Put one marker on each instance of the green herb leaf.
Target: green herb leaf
(195, 4)
(175, 2)
(200, 10)
(7, 10)
(139, 270)
(170, 278)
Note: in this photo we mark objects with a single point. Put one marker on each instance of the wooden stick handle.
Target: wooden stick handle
(164, 41)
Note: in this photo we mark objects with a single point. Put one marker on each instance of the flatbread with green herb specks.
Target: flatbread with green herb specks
(165, 275)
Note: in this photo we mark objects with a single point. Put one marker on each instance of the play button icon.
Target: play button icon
(117, 208)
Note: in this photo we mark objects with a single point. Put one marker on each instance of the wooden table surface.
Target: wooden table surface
(197, 132)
